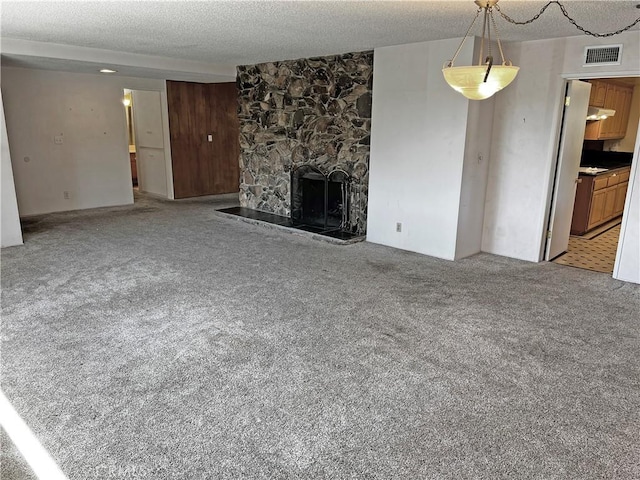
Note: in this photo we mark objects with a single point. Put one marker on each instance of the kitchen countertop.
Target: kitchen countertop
(595, 171)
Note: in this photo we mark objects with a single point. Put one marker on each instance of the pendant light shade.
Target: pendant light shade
(478, 82)
(470, 81)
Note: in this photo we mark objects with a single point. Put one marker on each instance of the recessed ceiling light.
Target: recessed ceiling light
(107, 70)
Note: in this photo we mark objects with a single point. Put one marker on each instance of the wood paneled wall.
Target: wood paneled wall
(203, 165)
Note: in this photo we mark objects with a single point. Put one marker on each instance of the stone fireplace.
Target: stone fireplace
(304, 139)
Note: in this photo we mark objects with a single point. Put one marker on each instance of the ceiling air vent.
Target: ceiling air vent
(602, 55)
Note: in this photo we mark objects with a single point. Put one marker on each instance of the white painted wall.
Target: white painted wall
(525, 136)
(418, 135)
(11, 233)
(86, 110)
(474, 178)
(627, 266)
(524, 140)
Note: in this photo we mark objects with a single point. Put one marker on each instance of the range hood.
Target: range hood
(597, 113)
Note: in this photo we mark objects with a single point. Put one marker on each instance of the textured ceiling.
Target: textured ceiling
(247, 32)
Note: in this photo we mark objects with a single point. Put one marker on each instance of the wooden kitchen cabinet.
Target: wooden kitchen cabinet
(598, 92)
(609, 127)
(616, 97)
(621, 192)
(599, 198)
(602, 207)
(621, 195)
(626, 110)
(596, 212)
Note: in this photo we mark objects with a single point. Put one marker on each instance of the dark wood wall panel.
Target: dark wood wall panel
(197, 110)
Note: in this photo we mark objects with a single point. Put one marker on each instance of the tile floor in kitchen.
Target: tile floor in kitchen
(594, 251)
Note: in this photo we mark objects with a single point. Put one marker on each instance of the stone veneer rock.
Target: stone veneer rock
(314, 111)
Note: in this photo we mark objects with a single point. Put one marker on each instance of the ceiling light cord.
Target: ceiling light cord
(564, 12)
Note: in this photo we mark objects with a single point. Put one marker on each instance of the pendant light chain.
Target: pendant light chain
(488, 14)
(484, 30)
(455, 55)
(495, 28)
(564, 12)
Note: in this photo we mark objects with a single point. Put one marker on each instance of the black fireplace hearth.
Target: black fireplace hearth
(324, 205)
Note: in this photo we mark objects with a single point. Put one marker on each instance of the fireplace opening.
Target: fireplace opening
(319, 200)
(313, 202)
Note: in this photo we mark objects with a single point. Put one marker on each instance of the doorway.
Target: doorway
(131, 135)
(599, 176)
(146, 142)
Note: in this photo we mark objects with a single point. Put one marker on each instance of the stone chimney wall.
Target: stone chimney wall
(314, 111)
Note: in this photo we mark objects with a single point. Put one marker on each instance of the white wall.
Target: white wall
(627, 265)
(522, 145)
(474, 177)
(86, 111)
(525, 136)
(11, 233)
(420, 176)
(418, 132)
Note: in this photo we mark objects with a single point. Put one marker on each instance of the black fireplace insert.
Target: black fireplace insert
(318, 200)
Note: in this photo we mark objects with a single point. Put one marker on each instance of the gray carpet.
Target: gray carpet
(163, 341)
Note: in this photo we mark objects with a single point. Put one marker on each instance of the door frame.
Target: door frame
(164, 113)
(131, 129)
(555, 164)
(555, 186)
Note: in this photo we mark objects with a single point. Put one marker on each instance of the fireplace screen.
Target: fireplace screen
(319, 200)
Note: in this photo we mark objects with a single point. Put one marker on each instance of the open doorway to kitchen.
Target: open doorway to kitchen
(594, 196)
(131, 134)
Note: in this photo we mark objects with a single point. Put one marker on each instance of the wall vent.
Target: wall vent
(602, 55)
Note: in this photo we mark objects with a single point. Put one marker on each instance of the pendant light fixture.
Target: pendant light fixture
(481, 81)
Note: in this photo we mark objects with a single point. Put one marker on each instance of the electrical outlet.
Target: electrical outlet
(66, 195)
(58, 140)
(398, 227)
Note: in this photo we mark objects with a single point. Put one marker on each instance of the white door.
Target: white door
(150, 155)
(569, 153)
(152, 176)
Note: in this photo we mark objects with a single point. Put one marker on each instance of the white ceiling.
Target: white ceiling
(248, 32)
